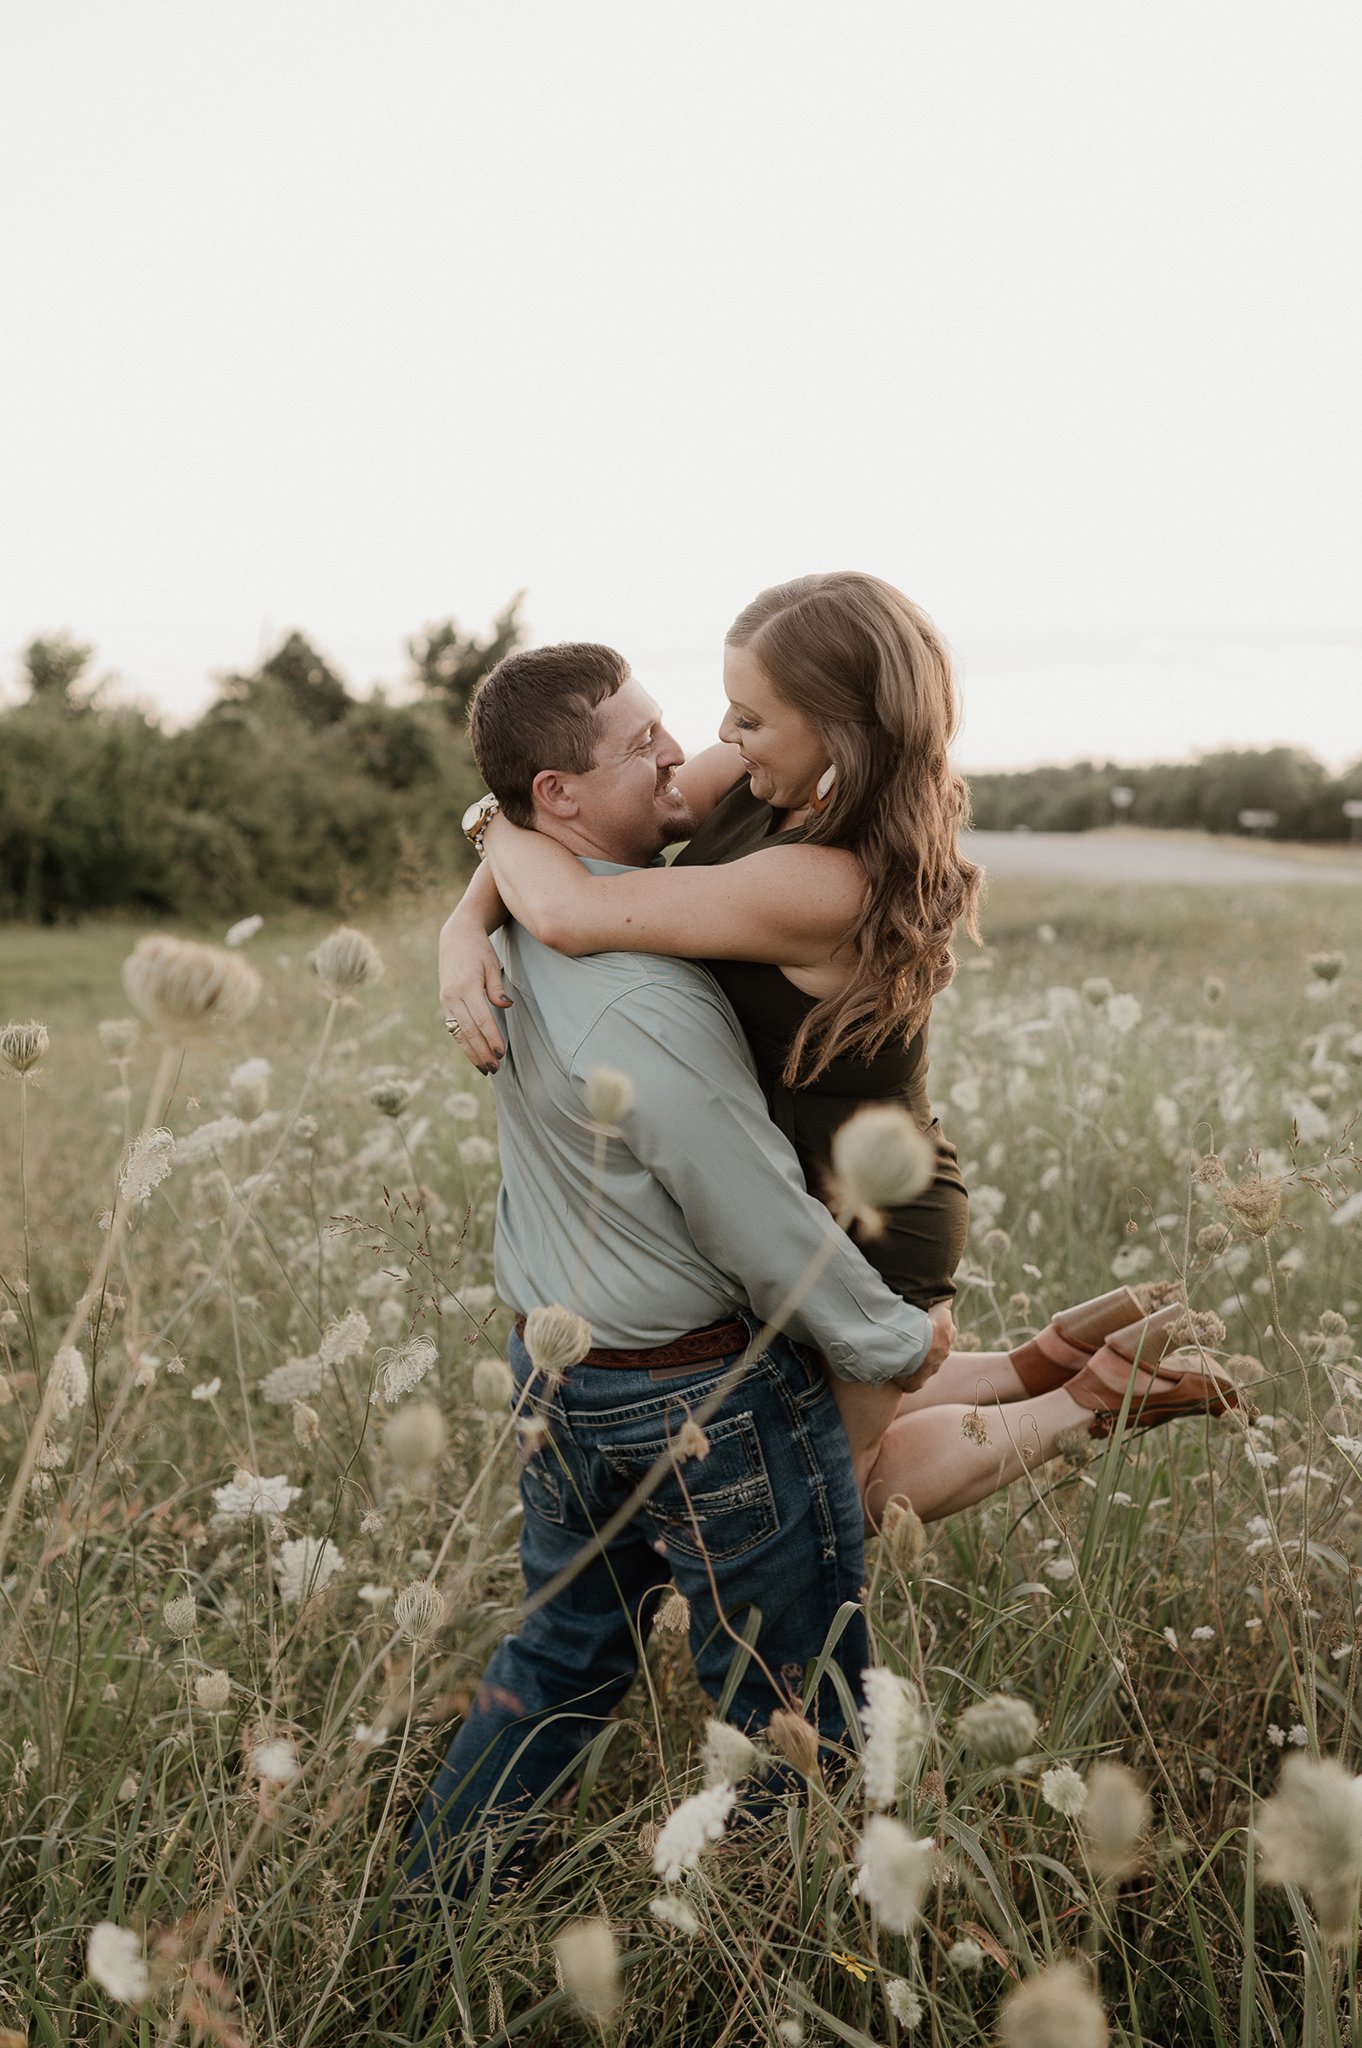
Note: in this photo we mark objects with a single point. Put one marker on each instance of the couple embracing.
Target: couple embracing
(820, 886)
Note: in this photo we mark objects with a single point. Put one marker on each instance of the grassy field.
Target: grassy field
(1184, 1604)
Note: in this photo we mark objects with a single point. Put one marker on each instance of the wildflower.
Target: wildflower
(146, 1166)
(208, 1140)
(477, 1151)
(728, 1754)
(294, 1380)
(999, 1729)
(1213, 1238)
(895, 1730)
(493, 1386)
(403, 1366)
(1097, 990)
(1203, 1635)
(180, 1616)
(903, 1535)
(1254, 1203)
(275, 1761)
(305, 1565)
(392, 1096)
(794, 1738)
(245, 1495)
(674, 1912)
(555, 1339)
(307, 1424)
(905, 2003)
(1115, 1815)
(345, 961)
(1210, 1172)
(118, 1036)
(880, 1160)
(415, 1436)
(965, 1955)
(589, 1962)
(1275, 1735)
(244, 928)
(895, 1871)
(23, 1047)
(1124, 1013)
(1059, 1569)
(1063, 1789)
(609, 1096)
(1327, 966)
(249, 1089)
(695, 1822)
(673, 1616)
(420, 1610)
(790, 2033)
(462, 1107)
(1131, 1260)
(1310, 1834)
(1056, 2008)
(71, 1378)
(206, 1390)
(973, 1427)
(1332, 1324)
(996, 1242)
(114, 1961)
(128, 1788)
(213, 1691)
(183, 989)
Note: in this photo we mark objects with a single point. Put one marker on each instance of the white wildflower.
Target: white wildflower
(728, 1754)
(206, 1390)
(403, 1366)
(213, 1691)
(999, 1729)
(415, 1436)
(294, 1380)
(675, 1912)
(1059, 1569)
(146, 1166)
(275, 1761)
(476, 1151)
(1056, 2008)
(965, 1955)
(1116, 1813)
(696, 1821)
(208, 1140)
(307, 1424)
(249, 1088)
(905, 2003)
(181, 1616)
(244, 928)
(70, 1382)
(463, 1107)
(895, 1871)
(23, 1047)
(245, 1495)
(419, 1610)
(1310, 1835)
(966, 1095)
(895, 1730)
(118, 1036)
(1123, 1013)
(183, 989)
(880, 1160)
(305, 1565)
(345, 961)
(477, 1300)
(344, 1339)
(114, 1961)
(493, 1386)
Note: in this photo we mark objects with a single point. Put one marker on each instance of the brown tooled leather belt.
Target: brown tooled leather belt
(697, 1347)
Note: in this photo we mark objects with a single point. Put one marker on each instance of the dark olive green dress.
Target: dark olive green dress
(923, 1242)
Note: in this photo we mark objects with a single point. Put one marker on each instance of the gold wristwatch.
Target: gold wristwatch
(476, 819)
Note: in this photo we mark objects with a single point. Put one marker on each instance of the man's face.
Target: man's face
(627, 802)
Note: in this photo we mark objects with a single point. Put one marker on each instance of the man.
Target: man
(696, 1227)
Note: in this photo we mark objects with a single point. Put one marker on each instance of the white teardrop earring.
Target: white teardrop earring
(823, 789)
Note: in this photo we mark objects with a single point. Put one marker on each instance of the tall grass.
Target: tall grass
(1183, 1603)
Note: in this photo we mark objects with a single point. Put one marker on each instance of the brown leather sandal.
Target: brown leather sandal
(1070, 1338)
(1163, 1382)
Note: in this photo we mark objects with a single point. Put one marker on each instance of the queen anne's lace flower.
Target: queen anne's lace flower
(292, 1381)
(344, 1339)
(245, 1495)
(403, 1366)
(305, 1565)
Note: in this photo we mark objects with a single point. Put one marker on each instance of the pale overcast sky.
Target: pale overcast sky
(349, 317)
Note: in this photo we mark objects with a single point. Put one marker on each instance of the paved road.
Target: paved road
(1133, 856)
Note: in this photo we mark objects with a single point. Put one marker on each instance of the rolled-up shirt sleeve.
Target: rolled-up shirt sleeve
(699, 1124)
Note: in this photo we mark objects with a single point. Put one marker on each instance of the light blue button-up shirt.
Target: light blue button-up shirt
(698, 1207)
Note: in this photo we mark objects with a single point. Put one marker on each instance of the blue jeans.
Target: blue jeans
(772, 1513)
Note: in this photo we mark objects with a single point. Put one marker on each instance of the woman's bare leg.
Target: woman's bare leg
(928, 1459)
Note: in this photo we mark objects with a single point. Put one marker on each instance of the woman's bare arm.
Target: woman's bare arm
(471, 989)
(790, 905)
(706, 777)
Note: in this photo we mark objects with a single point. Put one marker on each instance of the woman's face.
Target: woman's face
(781, 750)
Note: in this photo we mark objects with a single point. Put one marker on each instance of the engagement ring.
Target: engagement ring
(453, 1027)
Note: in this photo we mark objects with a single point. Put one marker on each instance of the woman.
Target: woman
(822, 888)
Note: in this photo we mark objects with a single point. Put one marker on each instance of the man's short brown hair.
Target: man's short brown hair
(536, 710)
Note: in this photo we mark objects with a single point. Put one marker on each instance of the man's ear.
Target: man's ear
(553, 795)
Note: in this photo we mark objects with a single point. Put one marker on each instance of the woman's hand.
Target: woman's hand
(471, 990)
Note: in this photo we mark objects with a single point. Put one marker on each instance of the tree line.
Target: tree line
(1274, 792)
(288, 789)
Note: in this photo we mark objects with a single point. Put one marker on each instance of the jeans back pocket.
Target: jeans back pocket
(719, 1506)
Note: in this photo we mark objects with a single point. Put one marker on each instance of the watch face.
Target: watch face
(472, 817)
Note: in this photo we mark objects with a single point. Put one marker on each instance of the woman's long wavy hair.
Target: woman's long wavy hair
(871, 672)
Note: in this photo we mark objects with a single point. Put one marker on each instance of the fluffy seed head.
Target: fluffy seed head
(673, 1616)
(180, 1616)
(895, 1730)
(118, 1036)
(1213, 1238)
(675, 1912)
(275, 1761)
(23, 1046)
(70, 1382)
(420, 1611)
(493, 1386)
(880, 1160)
(1057, 2008)
(556, 1339)
(392, 1096)
(213, 1691)
(904, 2002)
(1063, 1789)
(415, 1436)
(307, 1424)
(1254, 1203)
(609, 1096)
(1210, 1172)
(113, 1960)
(903, 1535)
(1310, 1834)
(896, 1870)
(999, 1730)
(345, 961)
(589, 1962)
(728, 1754)
(1115, 1814)
(244, 928)
(184, 990)
(794, 1738)
(696, 1821)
